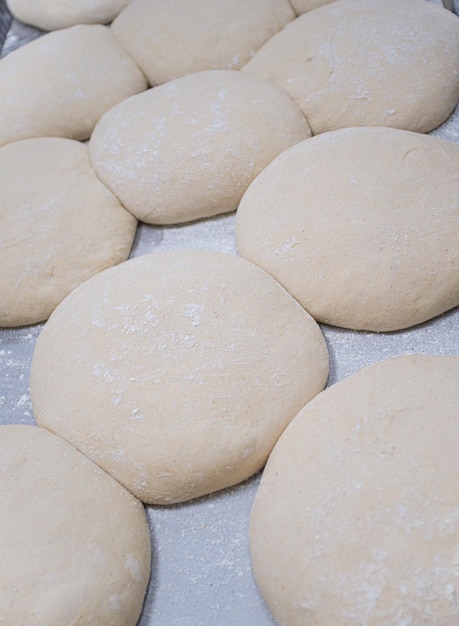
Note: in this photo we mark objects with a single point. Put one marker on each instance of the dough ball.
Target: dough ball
(356, 518)
(61, 84)
(189, 149)
(177, 371)
(171, 38)
(361, 63)
(75, 545)
(302, 6)
(59, 226)
(53, 14)
(360, 225)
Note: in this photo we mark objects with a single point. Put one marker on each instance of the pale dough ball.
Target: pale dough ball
(190, 148)
(177, 371)
(62, 83)
(59, 226)
(54, 14)
(75, 545)
(171, 38)
(367, 63)
(360, 225)
(356, 518)
(302, 6)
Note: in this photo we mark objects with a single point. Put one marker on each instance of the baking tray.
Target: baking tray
(201, 573)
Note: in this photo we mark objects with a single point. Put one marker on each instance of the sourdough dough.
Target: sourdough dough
(75, 545)
(360, 225)
(302, 6)
(61, 84)
(54, 14)
(59, 225)
(367, 63)
(171, 38)
(177, 371)
(356, 518)
(190, 148)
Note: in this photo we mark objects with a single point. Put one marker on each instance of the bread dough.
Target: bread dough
(361, 63)
(75, 545)
(60, 84)
(172, 38)
(51, 15)
(302, 6)
(360, 225)
(59, 226)
(177, 371)
(189, 149)
(356, 518)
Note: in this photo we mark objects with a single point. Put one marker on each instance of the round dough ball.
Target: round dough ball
(356, 518)
(189, 149)
(361, 63)
(171, 38)
(53, 14)
(59, 225)
(75, 545)
(177, 371)
(360, 225)
(60, 84)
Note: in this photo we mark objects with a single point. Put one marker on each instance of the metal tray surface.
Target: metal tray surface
(201, 573)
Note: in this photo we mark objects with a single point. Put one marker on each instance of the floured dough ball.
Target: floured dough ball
(75, 545)
(171, 38)
(59, 225)
(361, 63)
(302, 6)
(177, 371)
(52, 14)
(356, 518)
(360, 225)
(60, 84)
(189, 149)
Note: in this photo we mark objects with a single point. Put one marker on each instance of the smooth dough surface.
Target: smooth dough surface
(177, 371)
(190, 148)
(356, 520)
(172, 38)
(59, 225)
(75, 545)
(367, 63)
(60, 84)
(55, 14)
(360, 225)
(302, 6)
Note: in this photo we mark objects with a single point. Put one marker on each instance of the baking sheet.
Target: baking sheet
(201, 574)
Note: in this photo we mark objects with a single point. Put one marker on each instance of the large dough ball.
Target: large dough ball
(54, 14)
(189, 149)
(176, 372)
(59, 226)
(75, 545)
(171, 38)
(360, 225)
(365, 63)
(356, 518)
(60, 84)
